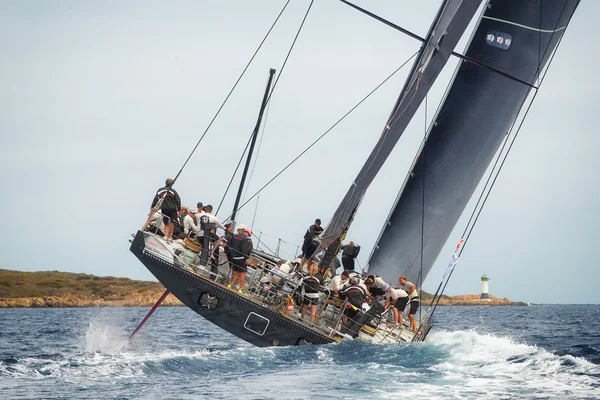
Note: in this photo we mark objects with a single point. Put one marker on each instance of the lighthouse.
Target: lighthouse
(484, 288)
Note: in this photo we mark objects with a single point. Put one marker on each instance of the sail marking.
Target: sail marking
(525, 26)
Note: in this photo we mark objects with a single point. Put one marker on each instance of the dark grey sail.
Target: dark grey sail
(516, 37)
(447, 28)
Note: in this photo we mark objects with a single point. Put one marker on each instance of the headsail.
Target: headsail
(516, 37)
(452, 20)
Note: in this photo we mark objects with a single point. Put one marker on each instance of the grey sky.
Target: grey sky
(101, 101)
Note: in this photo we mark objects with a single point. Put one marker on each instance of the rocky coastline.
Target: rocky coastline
(54, 289)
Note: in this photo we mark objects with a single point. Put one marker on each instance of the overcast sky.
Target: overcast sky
(101, 101)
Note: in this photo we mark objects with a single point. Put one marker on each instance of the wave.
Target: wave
(450, 365)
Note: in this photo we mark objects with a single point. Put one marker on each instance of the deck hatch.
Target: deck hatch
(256, 323)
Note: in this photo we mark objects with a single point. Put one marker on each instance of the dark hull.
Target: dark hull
(242, 317)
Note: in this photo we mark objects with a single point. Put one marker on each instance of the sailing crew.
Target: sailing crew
(356, 296)
(207, 218)
(199, 207)
(227, 236)
(170, 204)
(240, 247)
(277, 272)
(337, 283)
(311, 233)
(189, 226)
(413, 296)
(349, 253)
(178, 224)
(397, 299)
(208, 224)
(156, 225)
(312, 249)
(377, 286)
(311, 294)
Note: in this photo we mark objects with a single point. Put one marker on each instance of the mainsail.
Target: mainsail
(447, 28)
(516, 37)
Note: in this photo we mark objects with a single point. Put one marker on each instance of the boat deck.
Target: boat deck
(283, 298)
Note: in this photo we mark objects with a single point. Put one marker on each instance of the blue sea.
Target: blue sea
(537, 352)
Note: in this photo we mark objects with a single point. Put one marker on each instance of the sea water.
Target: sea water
(537, 352)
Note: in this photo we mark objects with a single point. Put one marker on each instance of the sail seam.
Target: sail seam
(525, 26)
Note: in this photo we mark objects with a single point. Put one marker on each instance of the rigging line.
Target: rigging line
(257, 152)
(255, 211)
(254, 165)
(290, 50)
(272, 89)
(234, 173)
(275, 237)
(423, 213)
(528, 27)
(537, 74)
(232, 89)
(260, 242)
(419, 38)
(326, 132)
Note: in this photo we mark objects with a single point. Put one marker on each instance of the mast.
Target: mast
(254, 136)
(446, 30)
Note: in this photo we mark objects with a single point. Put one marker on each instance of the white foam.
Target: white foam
(102, 337)
(489, 364)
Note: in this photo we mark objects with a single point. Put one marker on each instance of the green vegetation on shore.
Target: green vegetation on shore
(16, 284)
(65, 289)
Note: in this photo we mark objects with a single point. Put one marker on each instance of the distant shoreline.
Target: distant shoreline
(55, 289)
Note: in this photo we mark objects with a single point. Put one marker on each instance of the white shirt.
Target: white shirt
(337, 282)
(396, 294)
(379, 283)
(157, 221)
(277, 273)
(407, 287)
(211, 220)
(189, 225)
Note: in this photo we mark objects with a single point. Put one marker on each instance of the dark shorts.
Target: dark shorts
(414, 306)
(401, 303)
(310, 300)
(310, 250)
(350, 312)
(169, 216)
(305, 246)
(348, 263)
(239, 265)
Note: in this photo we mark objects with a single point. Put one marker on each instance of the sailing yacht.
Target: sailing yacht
(511, 46)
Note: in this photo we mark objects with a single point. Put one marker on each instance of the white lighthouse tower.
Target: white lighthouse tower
(484, 288)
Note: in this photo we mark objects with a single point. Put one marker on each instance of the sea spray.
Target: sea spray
(103, 337)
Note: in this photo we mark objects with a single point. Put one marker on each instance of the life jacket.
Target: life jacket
(356, 295)
(311, 284)
(350, 251)
(241, 246)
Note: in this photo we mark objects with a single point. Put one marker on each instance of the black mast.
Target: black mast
(254, 136)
